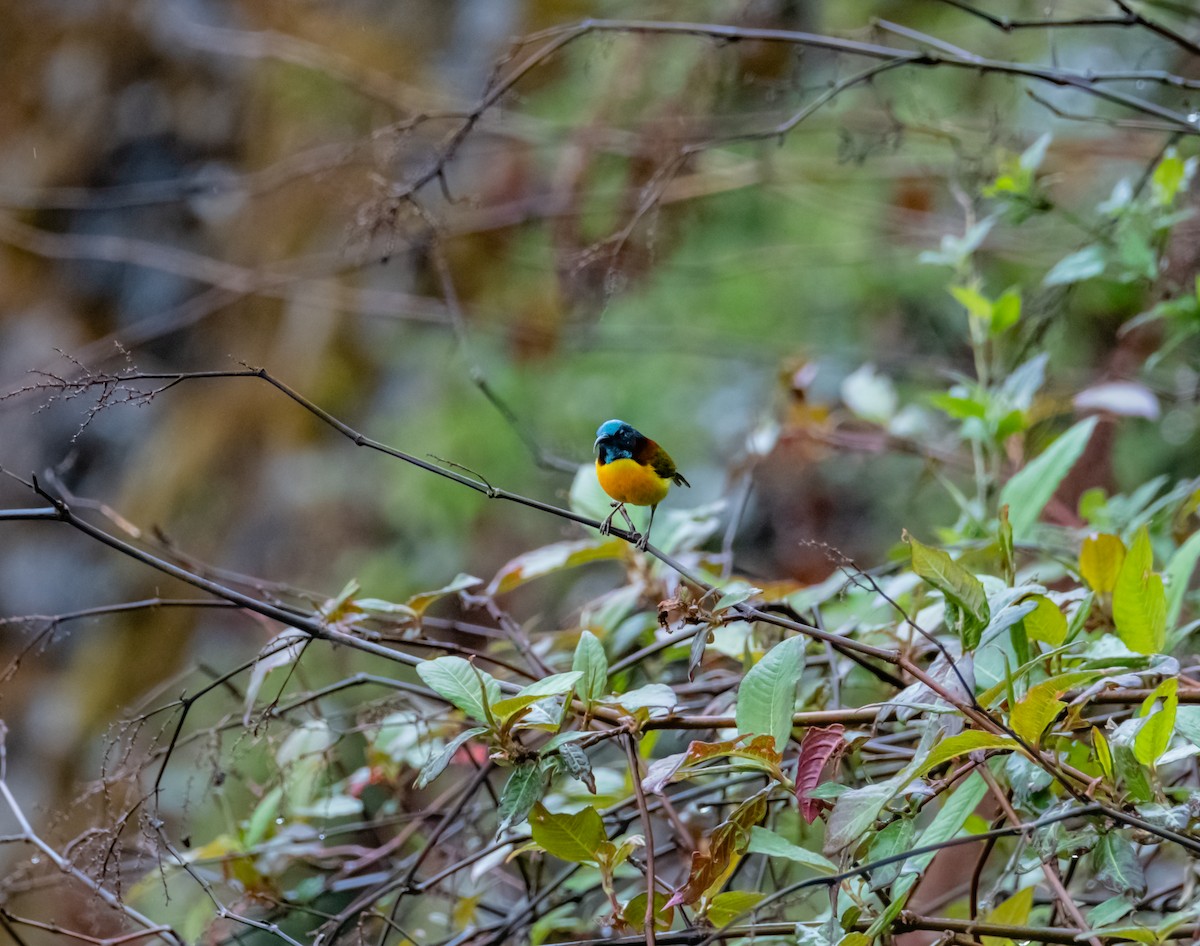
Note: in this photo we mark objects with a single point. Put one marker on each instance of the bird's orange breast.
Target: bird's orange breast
(628, 481)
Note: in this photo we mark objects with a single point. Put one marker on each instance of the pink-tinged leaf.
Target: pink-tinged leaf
(816, 749)
(661, 771)
(758, 750)
(1127, 398)
(550, 559)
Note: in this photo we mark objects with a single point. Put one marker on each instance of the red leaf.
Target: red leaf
(727, 844)
(816, 749)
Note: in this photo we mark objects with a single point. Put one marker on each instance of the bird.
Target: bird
(633, 469)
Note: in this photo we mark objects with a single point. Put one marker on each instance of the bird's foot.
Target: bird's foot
(606, 525)
(643, 540)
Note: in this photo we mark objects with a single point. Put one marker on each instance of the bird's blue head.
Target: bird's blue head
(615, 439)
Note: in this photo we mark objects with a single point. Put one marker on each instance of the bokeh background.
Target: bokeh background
(200, 184)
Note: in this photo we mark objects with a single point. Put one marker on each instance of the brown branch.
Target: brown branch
(635, 773)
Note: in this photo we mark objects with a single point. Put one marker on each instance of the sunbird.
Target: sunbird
(634, 469)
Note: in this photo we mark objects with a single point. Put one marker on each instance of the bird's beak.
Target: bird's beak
(596, 445)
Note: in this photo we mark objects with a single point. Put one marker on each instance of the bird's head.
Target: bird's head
(615, 439)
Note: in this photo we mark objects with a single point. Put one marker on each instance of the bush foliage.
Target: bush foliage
(986, 727)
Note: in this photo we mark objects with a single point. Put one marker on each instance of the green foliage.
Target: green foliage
(764, 841)
(570, 837)
(1027, 493)
(1023, 666)
(767, 696)
(963, 591)
(591, 663)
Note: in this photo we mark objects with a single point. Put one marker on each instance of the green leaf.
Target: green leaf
(1006, 311)
(520, 793)
(894, 839)
(1116, 866)
(1131, 773)
(651, 697)
(1109, 911)
(1077, 267)
(574, 838)
(1100, 561)
(1139, 602)
(1154, 737)
(262, 820)
(1031, 487)
(960, 587)
(1008, 556)
(960, 408)
(458, 681)
(1038, 708)
(1187, 723)
(767, 695)
(1168, 177)
(949, 820)
(1136, 255)
(1046, 622)
(727, 906)
(976, 304)
(969, 741)
(855, 811)
(592, 663)
(1179, 575)
(575, 763)
(736, 594)
(634, 912)
(883, 923)
(554, 685)
(437, 762)
(765, 841)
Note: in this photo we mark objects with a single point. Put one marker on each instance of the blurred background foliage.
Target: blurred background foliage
(194, 184)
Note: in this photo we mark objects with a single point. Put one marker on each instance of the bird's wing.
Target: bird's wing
(660, 461)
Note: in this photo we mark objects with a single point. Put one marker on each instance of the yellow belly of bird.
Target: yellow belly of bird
(627, 481)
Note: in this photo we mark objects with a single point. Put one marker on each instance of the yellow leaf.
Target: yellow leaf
(1046, 623)
(1012, 912)
(726, 907)
(1154, 738)
(964, 742)
(1100, 561)
(1103, 753)
(1037, 709)
(1139, 602)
